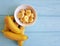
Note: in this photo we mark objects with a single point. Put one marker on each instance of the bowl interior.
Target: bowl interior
(24, 7)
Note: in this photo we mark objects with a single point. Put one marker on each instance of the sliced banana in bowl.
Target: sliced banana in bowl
(25, 15)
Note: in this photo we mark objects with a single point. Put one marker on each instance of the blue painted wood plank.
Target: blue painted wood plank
(46, 30)
(45, 24)
(43, 7)
(43, 39)
(42, 24)
(35, 39)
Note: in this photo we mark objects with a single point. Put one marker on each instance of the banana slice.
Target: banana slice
(26, 18)
(32, 15)
(31, 19)
(22, 11)
(20, 15)
(28, 12)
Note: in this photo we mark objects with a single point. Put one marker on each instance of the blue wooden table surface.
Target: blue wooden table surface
(46, 30)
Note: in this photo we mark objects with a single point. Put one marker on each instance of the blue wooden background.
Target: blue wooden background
(46, 30)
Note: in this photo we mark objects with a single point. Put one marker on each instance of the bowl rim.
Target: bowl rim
(17, 20)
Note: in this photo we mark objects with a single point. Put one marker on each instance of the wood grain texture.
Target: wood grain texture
(42, 24)
(35, 39)
(46, 30)
(43, 7)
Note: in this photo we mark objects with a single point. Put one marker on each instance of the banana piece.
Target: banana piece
(21, 27)
(20, 42)
(28, 12)
(31, 19)
(22, 11)
(20, 15)
(18, 34)
(14, 36)
(32, 15)
(12, 17)
(10, 24)
(25, 19)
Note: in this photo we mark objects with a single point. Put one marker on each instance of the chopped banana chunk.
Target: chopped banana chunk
(22, 11)
(26, 18)
(27, 15)
(28, 12)
(21, 19)
(32, 15)
(31, 19)
(20, 15)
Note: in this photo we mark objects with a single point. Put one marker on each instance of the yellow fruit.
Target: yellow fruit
(22, 20)
(14, 31)
(20, 15)
(20, 42)
(28, 12)
(22, 11)
(14, 36)
(10, 24)
(22, 28)
(31, 19)
(12, 17)
(5, 27)
(32, 15)
(26, 18)
(17, 25)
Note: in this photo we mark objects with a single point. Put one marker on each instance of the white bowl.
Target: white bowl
(24, 7)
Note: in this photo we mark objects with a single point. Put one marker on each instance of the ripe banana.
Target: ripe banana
(14, 36)
(10, 24)
(19, 26)
(14, 31)
(20, 42)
